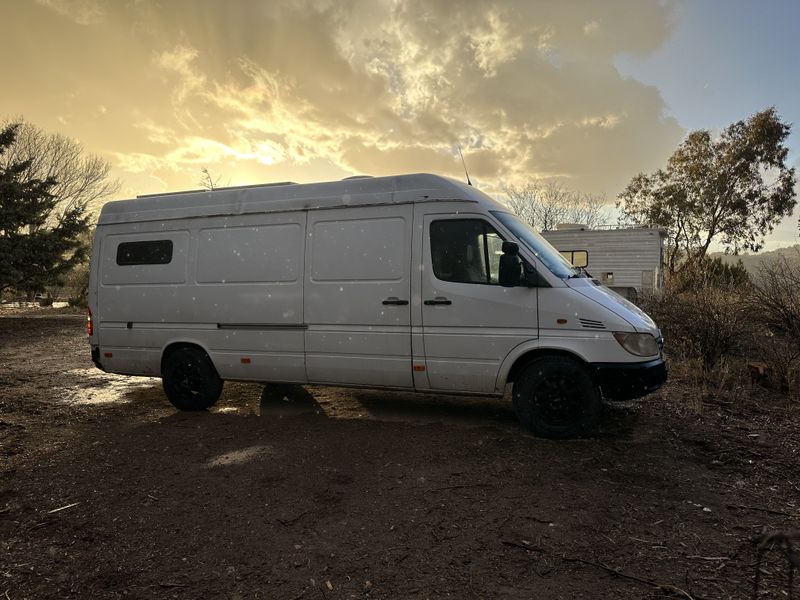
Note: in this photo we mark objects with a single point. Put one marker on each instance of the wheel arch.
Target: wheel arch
(521, 357)
(177, 345)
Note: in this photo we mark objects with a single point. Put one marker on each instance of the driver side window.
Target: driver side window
(465, 251)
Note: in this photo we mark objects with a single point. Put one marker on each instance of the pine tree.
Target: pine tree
(38, 243)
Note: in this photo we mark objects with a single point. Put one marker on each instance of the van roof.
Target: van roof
(363, 191)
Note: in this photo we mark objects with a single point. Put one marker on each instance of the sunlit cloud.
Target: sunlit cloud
(528, 90)
(82, 12)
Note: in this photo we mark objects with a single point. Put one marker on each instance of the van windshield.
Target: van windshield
(551, 257)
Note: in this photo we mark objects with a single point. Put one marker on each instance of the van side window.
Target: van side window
(465, 251)
(153, 252)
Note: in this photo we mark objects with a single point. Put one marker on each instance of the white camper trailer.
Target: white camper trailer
(413, 282)
(628, 260)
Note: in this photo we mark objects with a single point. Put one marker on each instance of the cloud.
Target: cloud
(82, 12)
(528, 89)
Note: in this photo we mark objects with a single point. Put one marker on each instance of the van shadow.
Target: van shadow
(473, 411)
(617, 420)
(286, 400)
(383, 405)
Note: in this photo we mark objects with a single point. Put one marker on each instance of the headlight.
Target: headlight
(640, 344)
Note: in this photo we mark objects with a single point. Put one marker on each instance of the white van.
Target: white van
(413, 282)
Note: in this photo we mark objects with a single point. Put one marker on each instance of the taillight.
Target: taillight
(89, 326)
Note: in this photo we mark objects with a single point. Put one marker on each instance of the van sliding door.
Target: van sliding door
(357, 296)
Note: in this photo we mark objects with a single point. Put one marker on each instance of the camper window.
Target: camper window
(153, 252)
(578, 258)
(466, 251)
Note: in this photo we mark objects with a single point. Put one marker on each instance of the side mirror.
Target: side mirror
(531, 277)
(510, 265)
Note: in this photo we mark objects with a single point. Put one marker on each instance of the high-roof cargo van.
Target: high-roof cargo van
(412, 282)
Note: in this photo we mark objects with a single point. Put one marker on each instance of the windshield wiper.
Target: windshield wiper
(581, 272)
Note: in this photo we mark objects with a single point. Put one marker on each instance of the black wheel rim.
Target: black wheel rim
(557, 401)
(189, 381)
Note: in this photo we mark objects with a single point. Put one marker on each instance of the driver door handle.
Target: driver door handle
(394, 301)
(438, 300)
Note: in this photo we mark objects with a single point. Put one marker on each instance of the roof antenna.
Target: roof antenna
(464, 163)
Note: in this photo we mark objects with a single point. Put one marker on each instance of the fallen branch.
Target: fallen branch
(288, 522)
(55, 510)
(660, 586)
(759, 509)
(458, 487)
(523, 546)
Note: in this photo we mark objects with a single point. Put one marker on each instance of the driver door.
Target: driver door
(470, 323)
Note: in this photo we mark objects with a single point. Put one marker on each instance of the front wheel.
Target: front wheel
(555, 397)
(190, 380)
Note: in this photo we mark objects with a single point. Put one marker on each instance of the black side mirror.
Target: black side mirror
(531, 277)
(510, 265)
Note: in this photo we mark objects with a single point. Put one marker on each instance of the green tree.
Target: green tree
(38, 243)
(732, 190)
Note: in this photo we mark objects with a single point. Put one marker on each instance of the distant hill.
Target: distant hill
(752, 262)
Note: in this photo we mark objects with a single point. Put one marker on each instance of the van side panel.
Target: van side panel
(357, 296)
(233, 286)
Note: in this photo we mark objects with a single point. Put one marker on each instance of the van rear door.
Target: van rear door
(357, 296)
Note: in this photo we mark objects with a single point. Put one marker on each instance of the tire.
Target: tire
(555, 397)
(190, 380)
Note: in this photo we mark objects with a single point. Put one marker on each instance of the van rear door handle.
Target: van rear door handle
(438, 300)
(394, 301)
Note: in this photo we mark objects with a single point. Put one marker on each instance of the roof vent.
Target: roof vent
(591, 324)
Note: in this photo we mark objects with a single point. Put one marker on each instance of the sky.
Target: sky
(588, 93)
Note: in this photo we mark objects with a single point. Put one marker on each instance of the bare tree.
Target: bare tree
(81, 178)
(544, 206)
(207, 181)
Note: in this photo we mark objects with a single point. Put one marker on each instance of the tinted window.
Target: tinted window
(465, 251)
(156, 252)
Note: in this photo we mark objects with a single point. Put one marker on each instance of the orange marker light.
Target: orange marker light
(244, 360)
(561, 321)
(419, 368)
(108, 354)
(89, 326)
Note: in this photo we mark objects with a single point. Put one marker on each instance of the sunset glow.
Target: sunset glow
(317, 90)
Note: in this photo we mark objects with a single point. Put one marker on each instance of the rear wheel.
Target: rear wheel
(190, 380)
(555, 397)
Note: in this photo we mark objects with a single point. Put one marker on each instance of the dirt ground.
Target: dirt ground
(325, 493)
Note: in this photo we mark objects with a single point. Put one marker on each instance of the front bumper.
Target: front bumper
(626, 381)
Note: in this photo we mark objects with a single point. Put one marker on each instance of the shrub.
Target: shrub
(709, 272)
(774, 304)
(708, 324)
